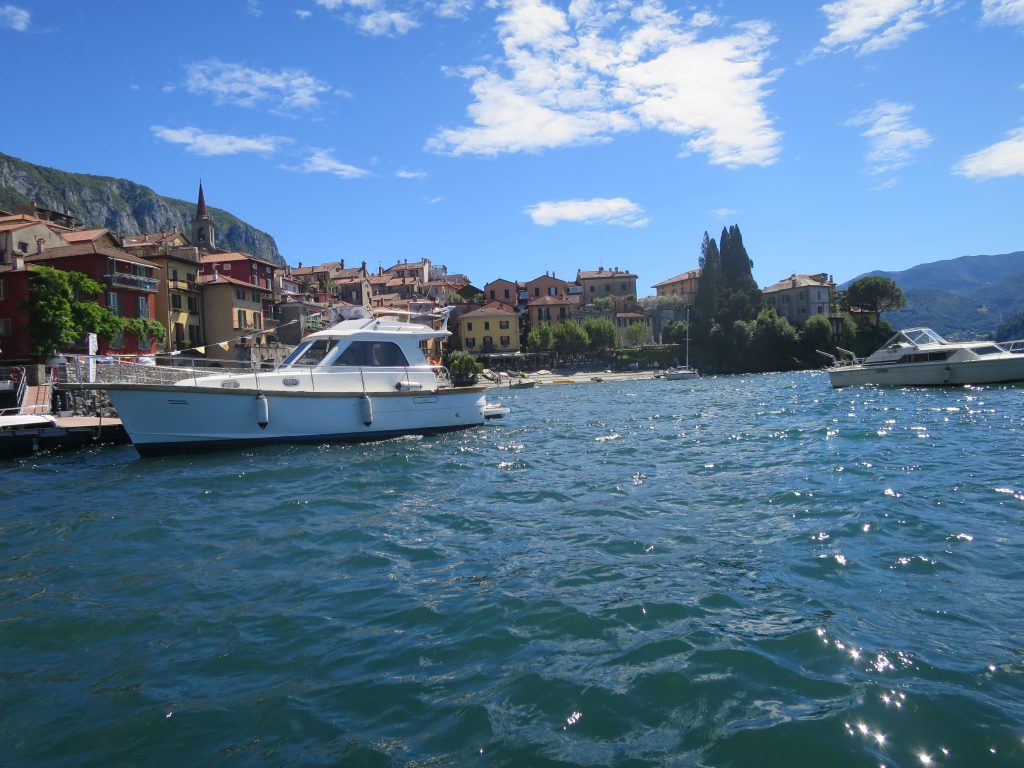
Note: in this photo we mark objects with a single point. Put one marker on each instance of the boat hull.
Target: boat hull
(169, 419)
(998, 371)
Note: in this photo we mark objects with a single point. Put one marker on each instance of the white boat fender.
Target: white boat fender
(262, 410)
(366, 409)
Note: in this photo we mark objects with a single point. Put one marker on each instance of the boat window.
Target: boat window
(311, 355)
(926, 357)
(370, 354)
(989, 350)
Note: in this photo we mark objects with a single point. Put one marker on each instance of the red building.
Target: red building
(129, 285)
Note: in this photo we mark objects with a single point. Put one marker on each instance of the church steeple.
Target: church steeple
(202, 225)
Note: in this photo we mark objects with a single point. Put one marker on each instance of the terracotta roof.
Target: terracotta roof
(799, 281)
(548, 300)
(693, 273)
(491, 310)
(220, 279)
(214, 258)
(83, 235)
(605, 273)
(87, 248)
(14, 226)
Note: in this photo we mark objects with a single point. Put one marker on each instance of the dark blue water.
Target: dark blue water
(738, 571)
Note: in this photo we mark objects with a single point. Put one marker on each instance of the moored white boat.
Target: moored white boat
(362, 379)
(920, 357)
(685, 372)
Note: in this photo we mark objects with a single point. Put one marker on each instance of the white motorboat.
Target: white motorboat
(363, 379)
(920, 357)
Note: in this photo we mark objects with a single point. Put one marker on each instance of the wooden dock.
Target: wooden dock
(68, 433)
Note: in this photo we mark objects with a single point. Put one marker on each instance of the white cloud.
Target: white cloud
(1006, 158)
(1005, 12)
(404, 174)
(374, 17)
(303, 14)
(285, 91)
(892, 140)
(14, 17)
(254, 8)
(723, 213)
(617, 210)
(216, 144)
(453, 9)
(873, 25)
(322, 161)
(433, 200)
(608, 66)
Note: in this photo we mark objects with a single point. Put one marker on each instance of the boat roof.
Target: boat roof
(360, 322)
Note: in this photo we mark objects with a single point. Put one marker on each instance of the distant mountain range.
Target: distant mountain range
(965, 297)
(122, 206)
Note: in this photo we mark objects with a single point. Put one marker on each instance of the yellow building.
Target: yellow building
(492, 328)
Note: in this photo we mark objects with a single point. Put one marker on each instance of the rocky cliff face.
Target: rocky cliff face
(121, 205)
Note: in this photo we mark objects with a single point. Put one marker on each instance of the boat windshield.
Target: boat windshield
(308, 354)
(917, 336)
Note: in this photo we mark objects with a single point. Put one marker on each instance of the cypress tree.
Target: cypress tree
(705, 303)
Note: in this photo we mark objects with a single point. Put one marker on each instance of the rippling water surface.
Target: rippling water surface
(737, 571)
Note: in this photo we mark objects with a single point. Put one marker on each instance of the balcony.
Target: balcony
(126, 280)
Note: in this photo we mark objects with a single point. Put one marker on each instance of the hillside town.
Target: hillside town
(233, 306)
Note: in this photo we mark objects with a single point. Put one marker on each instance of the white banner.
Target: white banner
(91, 347)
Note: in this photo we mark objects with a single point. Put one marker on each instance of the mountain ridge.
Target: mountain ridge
(122, 206)
(965, 297)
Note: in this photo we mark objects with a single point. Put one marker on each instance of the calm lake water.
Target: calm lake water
(737, 571)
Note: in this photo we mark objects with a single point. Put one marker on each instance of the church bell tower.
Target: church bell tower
(202, 225)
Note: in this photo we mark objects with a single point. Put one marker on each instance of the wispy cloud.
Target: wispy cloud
(373, 17)
(303, 14)
(404, 174)
(602, 67)
(433, 200)
(1005, 12)
(254, 8)
(228, 83)
(892, 140)
(1006, 158)
(207, 144)
(723, 213)
(616, 210)
(867, 26)
(322, 161)
(14, 17)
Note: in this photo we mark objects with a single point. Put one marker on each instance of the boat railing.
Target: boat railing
(1017, 346)
(103, 369)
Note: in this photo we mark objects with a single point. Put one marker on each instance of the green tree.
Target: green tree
(739, 297)
(637, 334)
(604, 303)
(875, 294)
(705, 303)
(773, 342)
(539, 339)
(816, 335)
(601, 332)
(62, 308)
(569, 338)
(674, 332)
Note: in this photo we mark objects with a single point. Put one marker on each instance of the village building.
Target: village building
(233, 314)
(682, 287)
(179, 300)
(492, 328)
(606, 282)
(799, 297)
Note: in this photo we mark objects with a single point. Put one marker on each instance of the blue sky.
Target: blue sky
(506, 138)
